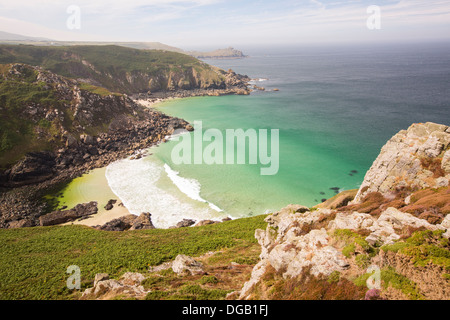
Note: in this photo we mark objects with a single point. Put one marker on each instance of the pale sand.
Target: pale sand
(150, 103)
(93, 186)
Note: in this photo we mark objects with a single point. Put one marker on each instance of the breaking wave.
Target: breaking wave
(146, 185)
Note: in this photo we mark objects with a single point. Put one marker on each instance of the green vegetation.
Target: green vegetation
(97, 90)
(424, 247)
(334, 277)
(188, 292)
(349, 250)
(362, 260)
(196, 292)
(390, 278)
(208, 279)
(353, 242)
(34, 260)
(246, 260)
(157, 295)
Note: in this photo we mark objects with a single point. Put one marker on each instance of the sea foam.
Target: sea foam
(142, 187)
(189, 187)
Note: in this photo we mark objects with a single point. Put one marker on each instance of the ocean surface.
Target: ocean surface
(335, 108)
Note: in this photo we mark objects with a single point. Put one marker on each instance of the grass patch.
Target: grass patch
(196, 292)
(390, 278)
(157, 295)
(209, 279)
(353, 242)
(424, 247)
(97, 90)
(34, 260)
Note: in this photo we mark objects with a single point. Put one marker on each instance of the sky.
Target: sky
(190, 24)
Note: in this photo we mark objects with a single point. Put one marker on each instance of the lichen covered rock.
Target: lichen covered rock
(416, 157)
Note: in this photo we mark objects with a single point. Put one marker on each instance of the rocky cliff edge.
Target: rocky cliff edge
(390, 242)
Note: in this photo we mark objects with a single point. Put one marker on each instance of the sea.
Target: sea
(333, 107)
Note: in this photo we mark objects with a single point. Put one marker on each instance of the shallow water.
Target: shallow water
(91, 186)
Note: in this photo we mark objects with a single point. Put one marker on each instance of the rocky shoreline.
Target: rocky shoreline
(23, 186)
(37, 174)
(234, 84)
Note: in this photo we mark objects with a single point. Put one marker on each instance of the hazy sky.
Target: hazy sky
(201, 23)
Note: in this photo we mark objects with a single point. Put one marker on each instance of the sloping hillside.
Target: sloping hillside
(120, 69)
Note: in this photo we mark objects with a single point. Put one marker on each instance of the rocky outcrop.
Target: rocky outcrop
(336, 239)
(385, 228)
(205, 222)
(110, 204)
(294, 242)
(128, 286)
(289, 245)
(35, 167)
(79, 211)
(416, 158)
(183, 265)
(143, 222)
(122, 125)
(129, 222)
(185, 223)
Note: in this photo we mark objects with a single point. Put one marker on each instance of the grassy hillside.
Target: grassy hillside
(117, 68)
(34, 260)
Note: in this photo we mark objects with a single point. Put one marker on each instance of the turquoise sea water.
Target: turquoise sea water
(335, 109)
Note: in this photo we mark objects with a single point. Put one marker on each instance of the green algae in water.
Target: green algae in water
(91, 186)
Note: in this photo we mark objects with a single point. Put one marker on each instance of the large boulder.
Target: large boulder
(186, 265)
(119, 224)
(185, 223)
(291, 243)
(129, 222)
(128, 286)
(79, 211)
(311, 250)
(205, 222)
(144, 221)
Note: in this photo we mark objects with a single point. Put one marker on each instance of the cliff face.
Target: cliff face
(121, 69)
(399, 224)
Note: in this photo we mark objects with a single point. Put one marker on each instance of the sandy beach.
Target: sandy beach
(93, 186)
